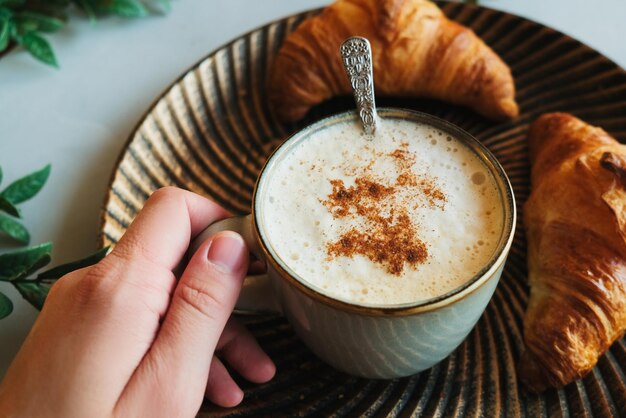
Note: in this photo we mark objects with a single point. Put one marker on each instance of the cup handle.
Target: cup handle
(257, 294)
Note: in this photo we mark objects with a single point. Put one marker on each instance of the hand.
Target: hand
(124, 338)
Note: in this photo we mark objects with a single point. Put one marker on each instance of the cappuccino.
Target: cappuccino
(410, 215)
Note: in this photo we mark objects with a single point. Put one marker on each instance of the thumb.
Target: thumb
(202, 303)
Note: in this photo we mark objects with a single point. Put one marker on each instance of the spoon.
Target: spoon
(356, 53)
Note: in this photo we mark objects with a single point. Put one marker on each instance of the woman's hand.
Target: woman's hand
(125, 338)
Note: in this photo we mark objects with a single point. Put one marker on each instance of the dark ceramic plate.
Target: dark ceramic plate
(211, 131)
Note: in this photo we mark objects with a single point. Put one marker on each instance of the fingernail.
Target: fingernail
(227, 252)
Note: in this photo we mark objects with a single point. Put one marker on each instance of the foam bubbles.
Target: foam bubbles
(479, 178)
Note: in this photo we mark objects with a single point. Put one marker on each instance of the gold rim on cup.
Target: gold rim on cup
(486, 157)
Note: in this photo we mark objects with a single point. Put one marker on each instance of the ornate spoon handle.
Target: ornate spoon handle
(357, 60)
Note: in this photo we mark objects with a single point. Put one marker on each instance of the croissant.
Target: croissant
(416, 51)
(575, 221)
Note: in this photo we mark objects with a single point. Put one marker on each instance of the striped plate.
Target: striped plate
(211, 131)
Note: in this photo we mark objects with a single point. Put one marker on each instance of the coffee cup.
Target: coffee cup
(382, 253)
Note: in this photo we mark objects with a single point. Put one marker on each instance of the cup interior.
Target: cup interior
(484, 155)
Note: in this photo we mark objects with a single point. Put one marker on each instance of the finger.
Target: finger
(162, 230)
(139, 270)
(221, 389)
(178, 362)
(241, 350)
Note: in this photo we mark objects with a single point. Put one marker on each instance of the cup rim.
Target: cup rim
(460, 292)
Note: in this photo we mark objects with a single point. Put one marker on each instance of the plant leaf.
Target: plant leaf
(26, 187)
(17, 263)
(29, 21)
(39, 48)
(59, 271)
(6, 306)
(0, 174)
(127, 8)
(5, 35)
(35, 293)
(42, 261)
(8, 207)
(11, 3)
(5, 14)
(14, 229)
(88, 8)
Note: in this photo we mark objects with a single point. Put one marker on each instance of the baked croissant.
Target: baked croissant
(575, 222)
(416, 51)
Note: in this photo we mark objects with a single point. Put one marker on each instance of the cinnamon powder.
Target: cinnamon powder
(386, 234)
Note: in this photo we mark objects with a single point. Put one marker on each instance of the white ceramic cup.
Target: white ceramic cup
(369, 341)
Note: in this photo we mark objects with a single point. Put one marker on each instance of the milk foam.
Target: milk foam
(460, 235)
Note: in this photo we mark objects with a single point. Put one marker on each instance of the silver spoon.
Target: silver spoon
(357, 60)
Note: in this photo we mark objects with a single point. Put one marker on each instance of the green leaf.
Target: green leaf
(11, 3)
(59, 271)
(14, 229)
(26, 187)
(0, 174)
(5, 33)
(5, 14)
(6, 306)
(35, 293)
(42, 261)
(18, 263)
(8, 207)
(128, 8)
(29, 21)
(88, 8)
(39, 48)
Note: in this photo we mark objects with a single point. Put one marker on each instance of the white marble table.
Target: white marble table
(78, 117)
